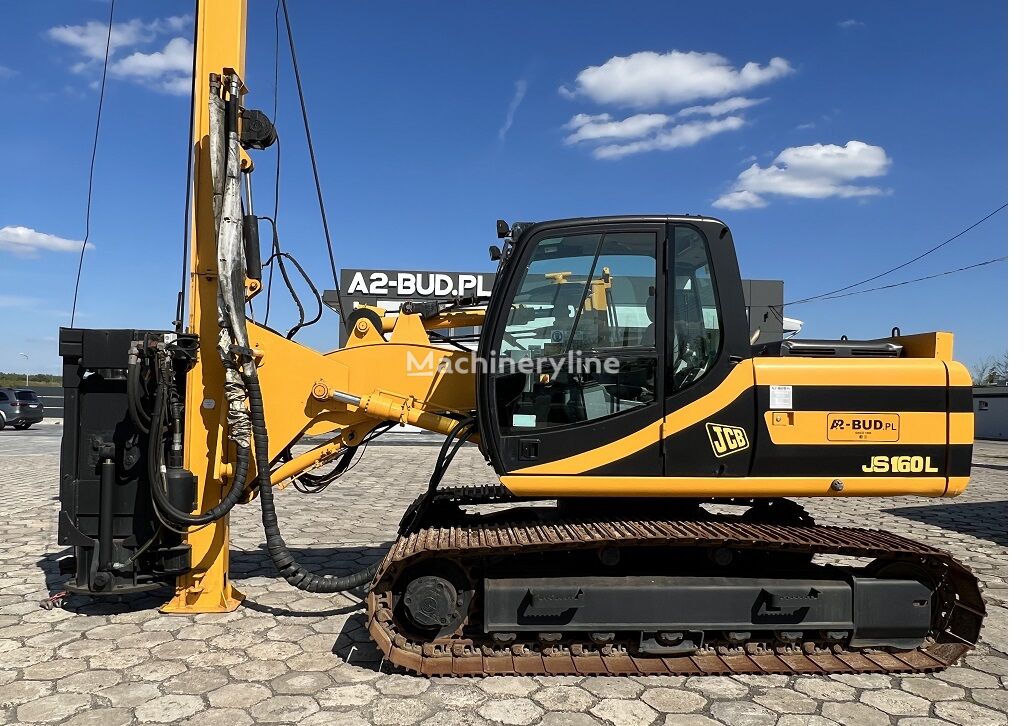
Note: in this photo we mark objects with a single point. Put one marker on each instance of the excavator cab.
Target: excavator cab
(597, 329)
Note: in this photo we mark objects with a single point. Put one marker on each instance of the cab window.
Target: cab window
(695, 331)
(581, 331)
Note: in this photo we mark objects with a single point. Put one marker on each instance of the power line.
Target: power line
(313, 156)
(92, 164)
(918, 279)
(933, 249)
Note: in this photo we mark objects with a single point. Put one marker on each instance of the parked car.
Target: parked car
(19, 407)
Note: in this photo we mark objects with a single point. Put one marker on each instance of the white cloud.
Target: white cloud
(851, 24)
(519, 91)
(169, 69)
(648, 78)
(674, 137)
(6, 72)
(817, 171)
(730, 105)
(27, 241)
(603, 126)
(654, 131)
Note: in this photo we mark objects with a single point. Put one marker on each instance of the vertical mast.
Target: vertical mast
(220, 44)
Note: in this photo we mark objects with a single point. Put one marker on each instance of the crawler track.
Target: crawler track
(958, 612)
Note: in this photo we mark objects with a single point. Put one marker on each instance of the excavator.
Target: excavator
(648, 452)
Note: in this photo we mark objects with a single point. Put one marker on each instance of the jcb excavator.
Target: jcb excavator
(617, 394)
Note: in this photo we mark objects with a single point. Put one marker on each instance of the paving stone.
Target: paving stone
(335, 718)
(897, 703)
(283, 709)
(238, 695)
(932, 689)
(52, 708)
(156, 670)
(169, 709)
(563, 698)
(568, 719)
(783, 700)
(824, 689)
(514, 711)
(24, 691)
(969, 678)
(621, 712)
(397, 711)
(359, 694)
(129, 694)
(219, 717)
(864, 680)
(102, 717)
(992, 697)
(855, 714)
(605, 687)
(717, 686)
(196, 681)
(988, 664)
(742, 713)
(258, 670)
(88, 681)
(969, 714)
(308, 683)
(455, 695)
(463, 718)
(690, 719)
(673, 700)
(400, 685)
(804, 720)
(509, 685)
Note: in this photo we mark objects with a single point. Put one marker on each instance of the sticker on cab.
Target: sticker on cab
(726, 439)
(863, 427)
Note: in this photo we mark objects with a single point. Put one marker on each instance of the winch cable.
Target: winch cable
(313, 156)
(277, 161)
(92, 164)
(189, 151)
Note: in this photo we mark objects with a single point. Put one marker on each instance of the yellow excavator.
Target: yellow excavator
(647, 450)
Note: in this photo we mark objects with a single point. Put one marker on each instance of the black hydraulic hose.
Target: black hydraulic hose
(135, 411)
(292, 572)
(156, 460)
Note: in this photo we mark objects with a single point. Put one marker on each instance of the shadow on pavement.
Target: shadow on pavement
(984, 520)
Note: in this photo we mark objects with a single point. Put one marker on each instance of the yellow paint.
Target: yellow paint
(877, 372)
(676, 486)
(939, 345)
(962, 428)
(956, 485)
(221, 43)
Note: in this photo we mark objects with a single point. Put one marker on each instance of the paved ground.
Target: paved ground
(286, 657)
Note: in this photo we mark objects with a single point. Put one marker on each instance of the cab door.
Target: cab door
(709, 430)
(574, 352)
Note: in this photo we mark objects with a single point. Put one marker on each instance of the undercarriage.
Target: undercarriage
(600, 590)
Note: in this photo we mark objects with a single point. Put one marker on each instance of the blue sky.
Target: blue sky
(836, 139)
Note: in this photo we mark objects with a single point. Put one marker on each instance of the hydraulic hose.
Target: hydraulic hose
(290, 570)
(156, 459)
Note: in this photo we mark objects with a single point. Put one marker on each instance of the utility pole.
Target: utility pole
(25, 356)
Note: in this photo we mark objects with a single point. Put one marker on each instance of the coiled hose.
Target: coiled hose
(290, 570)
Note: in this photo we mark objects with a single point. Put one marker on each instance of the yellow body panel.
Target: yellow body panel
(686, 486)
(813, 427)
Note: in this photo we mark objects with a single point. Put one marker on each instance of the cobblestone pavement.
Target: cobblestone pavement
(287, 657)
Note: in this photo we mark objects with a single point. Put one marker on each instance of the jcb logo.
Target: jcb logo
(900, 465)
(726, 439)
